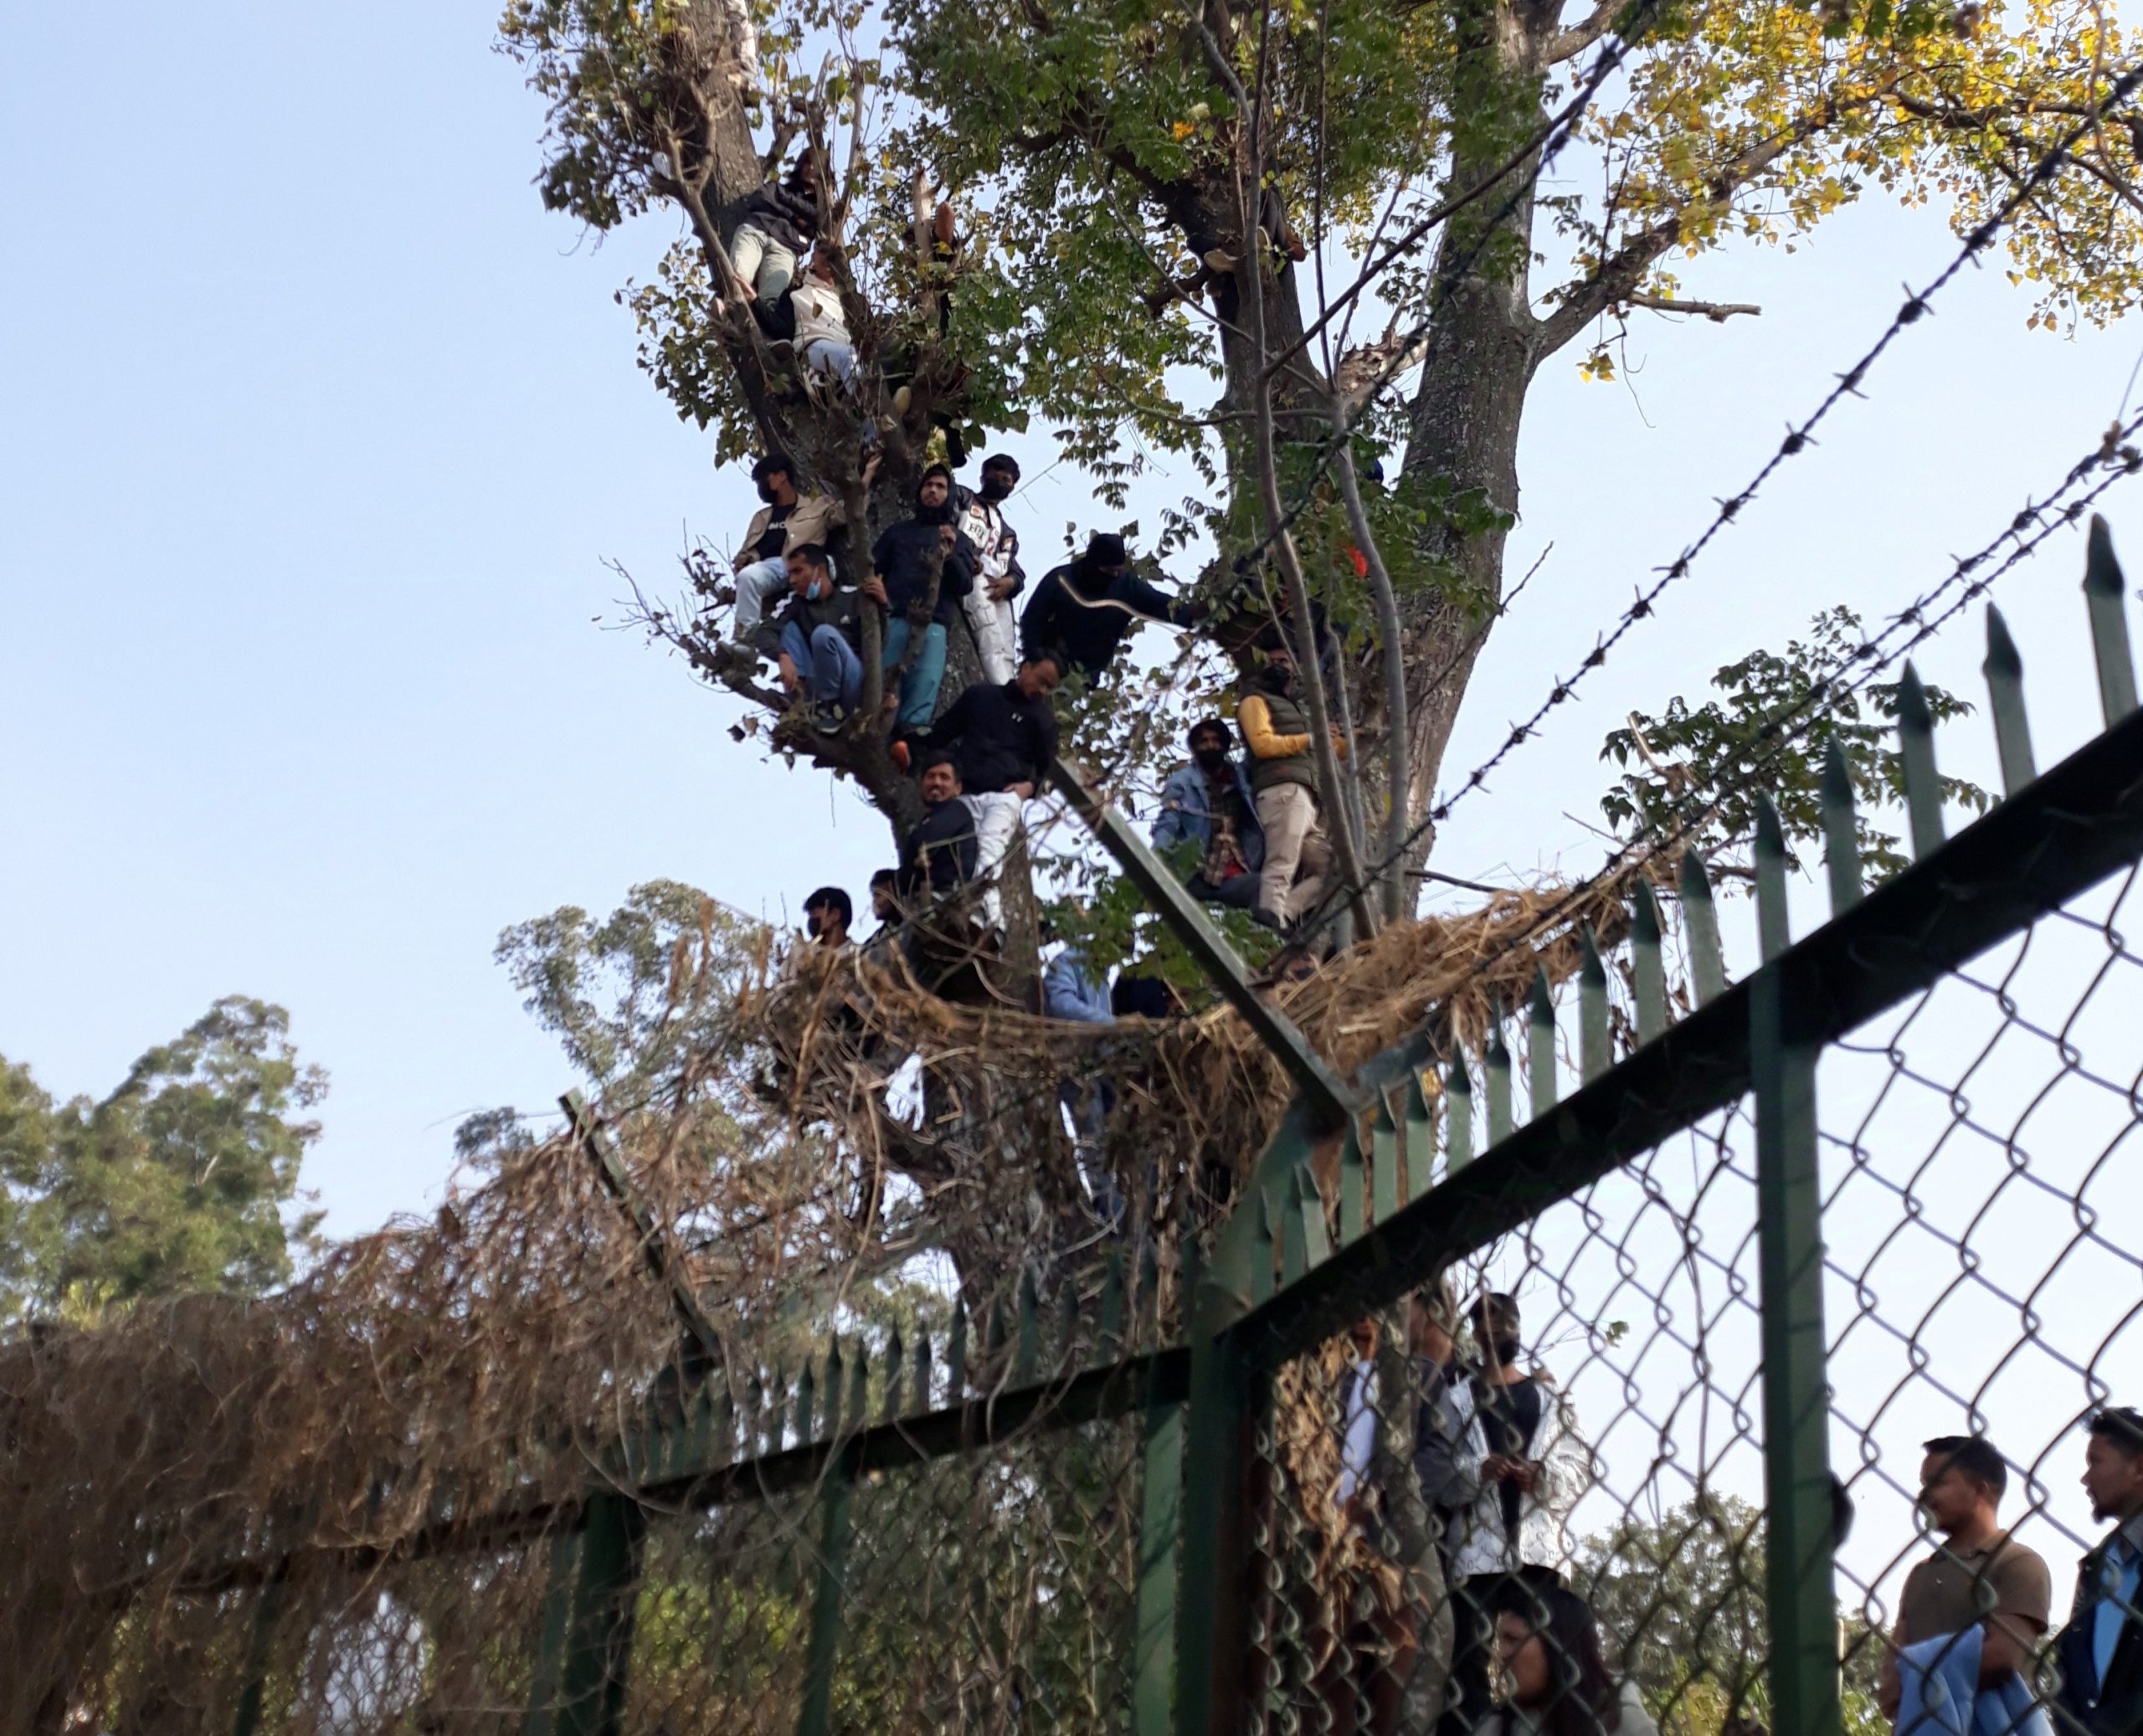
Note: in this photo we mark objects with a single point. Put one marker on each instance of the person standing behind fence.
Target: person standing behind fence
(1548, 1642)
(2100, 1650)
(1976, 1576)
(1521, 1464)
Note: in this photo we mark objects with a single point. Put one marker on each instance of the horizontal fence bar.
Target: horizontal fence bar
(2056, 839)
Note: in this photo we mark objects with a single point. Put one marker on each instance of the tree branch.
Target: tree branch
(1576, 40)
(1614, 282)
(1718, 312)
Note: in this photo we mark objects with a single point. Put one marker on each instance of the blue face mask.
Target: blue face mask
(814, 590)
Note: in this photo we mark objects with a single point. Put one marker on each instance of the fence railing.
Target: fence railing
(1879, 1190)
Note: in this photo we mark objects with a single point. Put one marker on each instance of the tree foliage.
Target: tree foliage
(1683, 1599)
(182, 1179)
(1698, 770)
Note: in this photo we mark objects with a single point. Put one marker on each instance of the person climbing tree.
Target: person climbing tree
(1088, 606)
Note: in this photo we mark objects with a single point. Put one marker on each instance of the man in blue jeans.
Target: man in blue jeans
(904, 561)
(817, 636)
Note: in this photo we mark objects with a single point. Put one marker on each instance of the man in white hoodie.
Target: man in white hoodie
(1519, 1467)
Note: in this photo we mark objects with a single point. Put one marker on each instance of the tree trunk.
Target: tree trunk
(1461, 452)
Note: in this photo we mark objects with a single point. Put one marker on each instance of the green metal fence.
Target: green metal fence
(1761, 1233)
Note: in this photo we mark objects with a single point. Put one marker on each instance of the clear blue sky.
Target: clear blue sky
(317, 432)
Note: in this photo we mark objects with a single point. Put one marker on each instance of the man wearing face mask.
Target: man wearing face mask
(1283, 781)
(1088, 607)
(788, 520)
(818, 638)
(998, 579)
(1209, 805)
(1519, 1466)
(905, 561)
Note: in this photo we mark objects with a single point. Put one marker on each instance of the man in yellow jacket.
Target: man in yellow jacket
(1283, 785)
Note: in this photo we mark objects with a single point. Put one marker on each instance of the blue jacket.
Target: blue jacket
(1941, 1695)
(1067, 992)
(1186, 813)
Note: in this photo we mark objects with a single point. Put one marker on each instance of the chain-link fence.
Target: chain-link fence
(1606, 1366)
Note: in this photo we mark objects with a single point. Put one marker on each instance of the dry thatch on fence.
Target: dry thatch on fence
(457, 1381)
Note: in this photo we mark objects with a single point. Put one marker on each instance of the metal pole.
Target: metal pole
(1803, 1608)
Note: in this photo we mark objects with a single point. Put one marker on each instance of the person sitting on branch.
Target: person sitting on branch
(787, 520)
(775, 228)
(819, 636)
(1002, 738)
(1208, 805)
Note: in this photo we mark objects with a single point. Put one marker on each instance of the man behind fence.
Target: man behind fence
(2100, 1652)
(1978, 1605)
(1520, 1465)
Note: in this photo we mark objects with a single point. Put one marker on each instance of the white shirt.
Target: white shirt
(819, 315)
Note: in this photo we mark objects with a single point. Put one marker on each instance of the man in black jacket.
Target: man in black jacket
(905, 560)
(1087, 608)
(937, 856)
(2100, 1652)
(1002, 737)
(775, 228)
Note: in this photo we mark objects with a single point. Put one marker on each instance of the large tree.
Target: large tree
(184, 1179)
(1112, 156)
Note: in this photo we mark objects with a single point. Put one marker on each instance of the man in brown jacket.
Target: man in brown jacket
(788, 521)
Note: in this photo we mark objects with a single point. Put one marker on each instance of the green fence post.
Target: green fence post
(593, 1625)
(1153, 1657)
(1803, 1610)
(260, 1649)
(817, 1715)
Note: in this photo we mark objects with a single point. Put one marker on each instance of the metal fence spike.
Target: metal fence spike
(1112, 1301)
(1383, 1163)
(1384, 1191)
(1261, 1246)
(1419, 1142)
(836, 1389)
(1496, 1064)
(1773, 932)
(1067, 1324)
(2109, 608)
(1316, 1239)
(1189, 1260)
(1647, 966)
(1594, 1054)
(858, 1407)
(807, 1404)
(1700, 922)
(956, 1355)
(1457, 1118)
(1294, 1235)
(889, 1406)
(922, 1372)
(777, 1416)
(1026, 1358)
(1923, 784)
(2004, 669)
(1353, 1187)
(1841, 828)
(1540, 1055)
(1149, 1302)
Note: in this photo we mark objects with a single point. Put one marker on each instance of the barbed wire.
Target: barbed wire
(2110, 450)
(1797, 441)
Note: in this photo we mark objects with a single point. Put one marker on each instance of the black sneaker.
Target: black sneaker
(828, 716)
